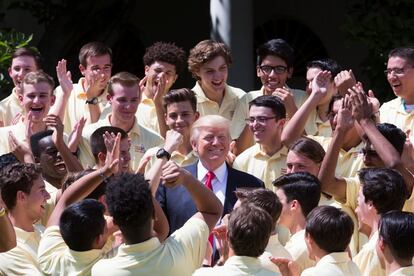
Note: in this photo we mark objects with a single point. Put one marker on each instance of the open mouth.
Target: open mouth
(60, 166)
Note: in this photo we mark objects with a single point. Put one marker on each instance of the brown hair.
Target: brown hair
(123, 78)
(206, 51)
(180, 95)
(309, 148)
(36, 77)
(263, 198)
(29, 52)
(249, 230)
(17, 177)
(93, 49)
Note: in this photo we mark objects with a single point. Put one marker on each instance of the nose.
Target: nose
(179, 119)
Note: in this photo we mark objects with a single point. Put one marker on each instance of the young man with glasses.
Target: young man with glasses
(400, 75)
(274, 67)
(267, 158)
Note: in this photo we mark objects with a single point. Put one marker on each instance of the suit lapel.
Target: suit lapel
(230, 188)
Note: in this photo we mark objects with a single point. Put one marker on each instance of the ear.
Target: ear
(290, 72)
(20, 196)
(281, 122)
(101, 157)
(194, 145)
(196, 115)
(174, 79)
(82, 69)
(109, 98)
(146, 70)
(294, 205)
(10, 71)
(258, 71)
(20, 96)
(381, 244)
(52, 99)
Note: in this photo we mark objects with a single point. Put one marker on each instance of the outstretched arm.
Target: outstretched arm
(208, 205)
(330, 184)
(296, 125)
(85, 185)
(362, 111)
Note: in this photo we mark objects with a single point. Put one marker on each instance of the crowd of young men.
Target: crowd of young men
(116, 175)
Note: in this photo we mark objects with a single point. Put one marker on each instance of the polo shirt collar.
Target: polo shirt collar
(243, 261)
(282, 152)
(142, 247)
(334, 258)
(134, 130)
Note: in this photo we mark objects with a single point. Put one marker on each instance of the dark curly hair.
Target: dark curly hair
(166, 52)
(17, 177)
(129, 201)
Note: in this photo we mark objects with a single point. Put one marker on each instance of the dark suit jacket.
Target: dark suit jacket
(179, 207)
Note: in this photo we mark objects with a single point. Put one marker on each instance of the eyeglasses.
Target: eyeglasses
(369, 152)
(259, 119)
(278, 69)
(396, 71)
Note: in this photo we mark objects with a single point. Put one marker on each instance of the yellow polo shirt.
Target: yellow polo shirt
(367, 259)
(242, 109)
(299, 251)
(267, 168)
(178, 158)
(349, 162)
(393, 112)
(9, 108)
(55, 257)
(337, 263)
(403, 271)
(205, 106)
(275, 249)
(147, 115)
(141, 140)
(76, 106)
(22, 260)
(236, 266)
(316, 127)
(180, 254)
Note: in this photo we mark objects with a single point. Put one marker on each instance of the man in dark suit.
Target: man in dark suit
(210, 139)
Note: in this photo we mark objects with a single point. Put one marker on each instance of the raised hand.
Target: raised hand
(64, 77)
(172, 174)
(344, 120)
(76, 135)
(21, 150)
(93, 86)
(112, 144)
(320, 84)
(286, 266)
(344, 80)
(173, 140)
(287, 98)
(53, 122)
(361, 108)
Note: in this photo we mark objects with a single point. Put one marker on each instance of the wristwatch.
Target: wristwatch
(94, 100)
(161, 153)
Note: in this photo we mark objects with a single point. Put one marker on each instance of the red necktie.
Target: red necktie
(209, 184)
(209, 181)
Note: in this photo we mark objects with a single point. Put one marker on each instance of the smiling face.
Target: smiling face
(124, 102)
(213, 75)
(36, 100)
(401, 77)
(212, 146)
(97, 67)
(267, 131)
(297, 162)
(180, 116)
(161, 68)
(273, 80)
(35, 201)
(20, 67)
(50, 159)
